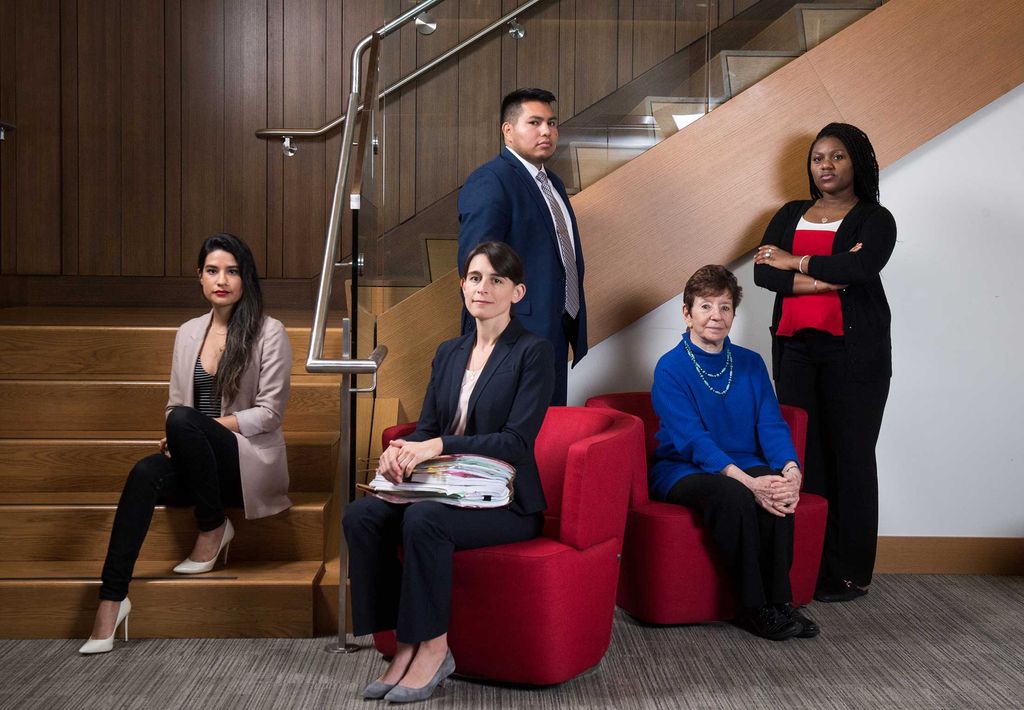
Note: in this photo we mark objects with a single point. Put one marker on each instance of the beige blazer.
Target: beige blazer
(258, 406)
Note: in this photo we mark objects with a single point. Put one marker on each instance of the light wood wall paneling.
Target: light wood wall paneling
(479, 99)
(596, 41)
(8, 147)
(69, 136)
(304, 174)
(950, 555)
(37, 65)
(172, 136)
(142, 138)
(202, 125)
(406, 371)
(654, 30)
(654, 216)
(275, 158)
(99, 137)
(245, 111)
(437, 115)
(902, 91)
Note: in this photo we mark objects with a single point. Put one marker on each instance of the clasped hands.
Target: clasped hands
(777, 494)
(401, 457)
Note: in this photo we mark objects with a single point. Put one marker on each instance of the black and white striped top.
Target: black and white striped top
(202, 391)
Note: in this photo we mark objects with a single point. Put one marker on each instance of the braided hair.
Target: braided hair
(246, 317)
(858, 147)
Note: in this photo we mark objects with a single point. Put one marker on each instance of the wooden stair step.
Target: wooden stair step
(76, 526)
(32, 407)
(125, 352)
(101, 463)
(246, 599)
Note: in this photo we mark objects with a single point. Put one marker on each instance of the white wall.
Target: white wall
(951, 453)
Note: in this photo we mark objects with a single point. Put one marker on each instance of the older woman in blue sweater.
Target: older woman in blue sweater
(726, 452)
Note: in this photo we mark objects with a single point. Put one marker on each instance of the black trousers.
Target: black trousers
(414, 597)
(844, 419)
(201, 471)
(755, 546)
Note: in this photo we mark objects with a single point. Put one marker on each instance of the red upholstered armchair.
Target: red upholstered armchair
(540, 612)
(669, 571)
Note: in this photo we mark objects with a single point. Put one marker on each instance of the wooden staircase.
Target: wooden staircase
(83, 394)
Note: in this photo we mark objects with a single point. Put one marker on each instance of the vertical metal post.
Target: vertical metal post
(344, 483)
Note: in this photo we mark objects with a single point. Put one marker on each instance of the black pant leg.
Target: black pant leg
(373, 532)
(852, 413)
(776, 537)
(142, 491)
(431, 533)
(205, 454)
(797, 386)
(729, 512)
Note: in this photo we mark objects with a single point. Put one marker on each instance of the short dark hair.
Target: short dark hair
(512, 104)
(712, 280)
(862, 155)
(504, 260)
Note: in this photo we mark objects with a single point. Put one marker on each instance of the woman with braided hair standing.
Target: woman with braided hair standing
(831, 345)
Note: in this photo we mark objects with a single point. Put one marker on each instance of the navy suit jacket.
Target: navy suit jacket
(501, 201)
(506, 408)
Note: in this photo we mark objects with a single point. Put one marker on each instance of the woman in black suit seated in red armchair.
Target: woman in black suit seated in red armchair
(488, 393)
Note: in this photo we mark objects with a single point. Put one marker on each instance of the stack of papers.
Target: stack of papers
(462, 480)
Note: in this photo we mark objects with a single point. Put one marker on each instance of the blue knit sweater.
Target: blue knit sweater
(703, 432)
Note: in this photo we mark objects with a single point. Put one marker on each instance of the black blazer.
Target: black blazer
(866, 314)
(506, 409)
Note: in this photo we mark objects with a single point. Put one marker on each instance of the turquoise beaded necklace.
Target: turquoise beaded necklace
(704, 374)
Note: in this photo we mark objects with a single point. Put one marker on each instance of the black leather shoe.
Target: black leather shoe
(843, 591)
(808, 629)
(769, 624)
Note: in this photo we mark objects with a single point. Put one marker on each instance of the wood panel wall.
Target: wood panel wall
(136, 118)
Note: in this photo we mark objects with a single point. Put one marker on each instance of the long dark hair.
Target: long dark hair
(865, 164)
(246, 317)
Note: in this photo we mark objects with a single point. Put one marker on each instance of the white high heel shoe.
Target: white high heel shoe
(189, 566)
(107, 645)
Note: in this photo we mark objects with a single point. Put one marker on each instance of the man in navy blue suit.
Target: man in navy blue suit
(513, 199)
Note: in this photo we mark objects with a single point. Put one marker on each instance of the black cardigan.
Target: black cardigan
(866, 315)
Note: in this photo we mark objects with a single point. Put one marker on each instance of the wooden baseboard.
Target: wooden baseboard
(950, 555)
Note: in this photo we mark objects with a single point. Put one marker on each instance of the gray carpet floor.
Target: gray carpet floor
(913, 642)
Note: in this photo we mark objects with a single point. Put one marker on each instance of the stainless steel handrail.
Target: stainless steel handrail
(314, 359)
(504, 19)
(412, 76)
